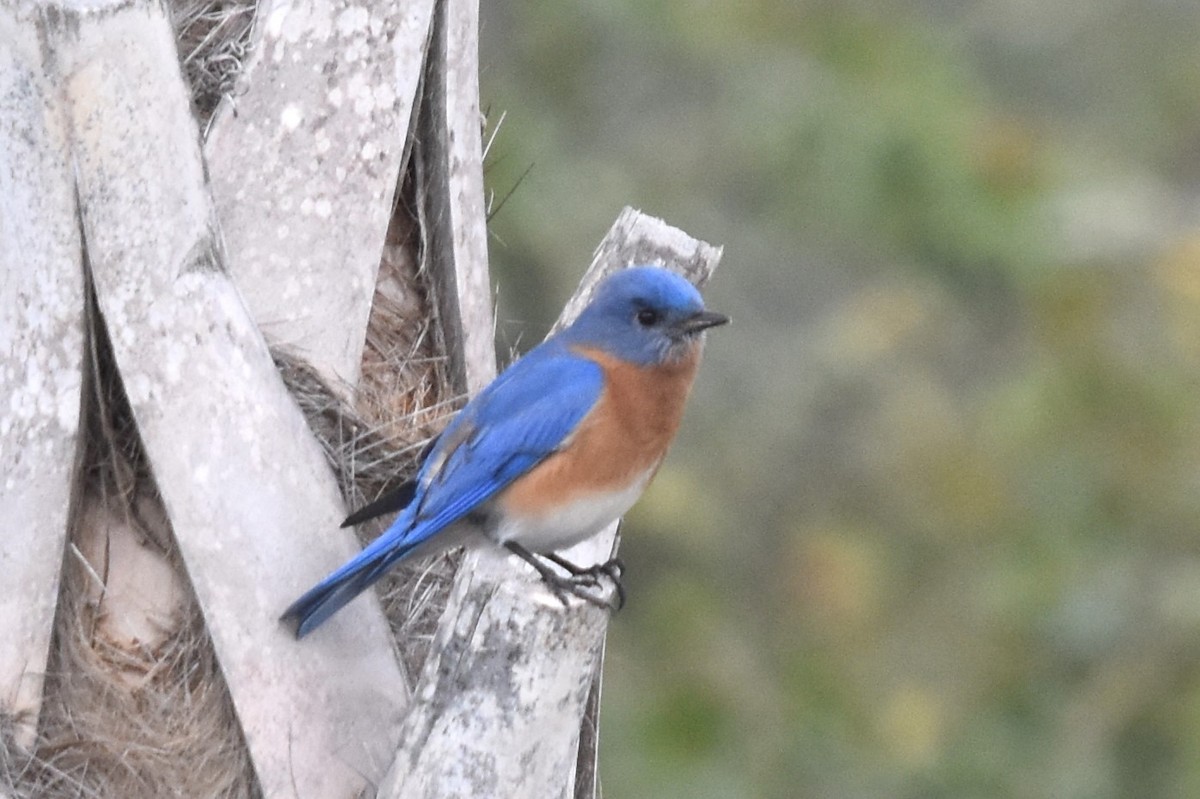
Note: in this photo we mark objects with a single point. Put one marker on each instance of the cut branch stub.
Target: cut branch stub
(497, 710)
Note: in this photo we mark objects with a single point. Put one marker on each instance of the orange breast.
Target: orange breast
(626, 435)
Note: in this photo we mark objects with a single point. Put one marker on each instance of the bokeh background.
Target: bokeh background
(931, 529)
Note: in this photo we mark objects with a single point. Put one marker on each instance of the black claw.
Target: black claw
(579, 579)
(558, 590)
(620, 586)
(576, 585)
(615, 569)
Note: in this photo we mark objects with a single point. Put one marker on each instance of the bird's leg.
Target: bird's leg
(613, 569)
(574, 584)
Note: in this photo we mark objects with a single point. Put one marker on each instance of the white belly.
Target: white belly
(572, 523)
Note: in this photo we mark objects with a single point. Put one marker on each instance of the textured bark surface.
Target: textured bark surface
(304, 160)
(41, 348)
(251, 499)
(450, 135)
(497, 712)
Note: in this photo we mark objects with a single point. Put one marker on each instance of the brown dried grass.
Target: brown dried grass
(214, 39)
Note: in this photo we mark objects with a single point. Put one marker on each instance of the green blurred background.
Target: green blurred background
(931, 526)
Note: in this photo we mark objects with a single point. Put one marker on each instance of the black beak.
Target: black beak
(700, 321)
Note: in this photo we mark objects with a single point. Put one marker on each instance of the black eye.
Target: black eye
(648, 317)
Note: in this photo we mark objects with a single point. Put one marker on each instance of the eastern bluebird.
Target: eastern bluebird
(562, 443)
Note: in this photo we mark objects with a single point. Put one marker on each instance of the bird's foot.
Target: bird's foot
(584, 586)
(613, 569)
(579, 578)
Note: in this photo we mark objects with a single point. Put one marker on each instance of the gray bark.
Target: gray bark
(252, 502)
(304, 160)
(451, 136)
(41, 349)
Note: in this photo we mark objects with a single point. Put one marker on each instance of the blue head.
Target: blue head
(646, 315)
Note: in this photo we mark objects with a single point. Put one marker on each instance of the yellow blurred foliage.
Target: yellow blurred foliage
(911, 723)
(1178, 272)
(677, 506)
(873, 323)
(931, 464)
(834, 576)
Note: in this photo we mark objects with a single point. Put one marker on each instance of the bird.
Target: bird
(562, 443)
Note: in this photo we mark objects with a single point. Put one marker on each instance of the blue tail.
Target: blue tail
(335, 591)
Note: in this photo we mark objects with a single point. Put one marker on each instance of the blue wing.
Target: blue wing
(519, 420)
(514, 423)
